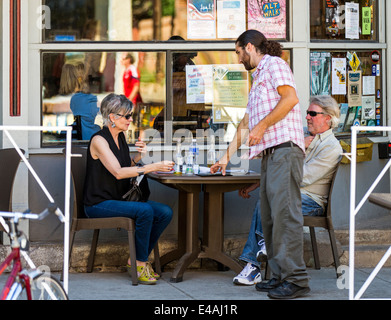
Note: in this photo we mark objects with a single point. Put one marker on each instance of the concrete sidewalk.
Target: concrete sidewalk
(216, 285)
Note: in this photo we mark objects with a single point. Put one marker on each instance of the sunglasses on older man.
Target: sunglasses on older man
(127, 117)
(314, 113)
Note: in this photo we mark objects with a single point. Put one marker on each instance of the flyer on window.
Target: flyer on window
(268, 17)
(354, 88)
(332, 17)
(199, 84)
(320, 63)
(201, 19)
(369, 108)
(339, 76)
(352, 19)
(231, 18)
(230, 93)
(366, 21)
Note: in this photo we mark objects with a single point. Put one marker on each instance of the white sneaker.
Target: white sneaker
(261, 254)
(249, 276)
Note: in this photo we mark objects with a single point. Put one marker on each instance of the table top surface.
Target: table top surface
(171, 178)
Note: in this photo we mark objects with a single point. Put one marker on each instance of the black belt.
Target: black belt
(282, 145)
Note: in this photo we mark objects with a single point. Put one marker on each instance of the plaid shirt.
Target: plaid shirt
(271, 73)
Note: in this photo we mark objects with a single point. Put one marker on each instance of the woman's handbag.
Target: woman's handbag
(139, 190)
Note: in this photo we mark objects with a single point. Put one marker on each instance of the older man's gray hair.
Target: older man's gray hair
(330, 107)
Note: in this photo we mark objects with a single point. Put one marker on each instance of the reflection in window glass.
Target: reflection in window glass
(208, 92)
(139, 20)
(344, 20)
(149, 20)
(354, 79)
(113, 20)
(74, 84)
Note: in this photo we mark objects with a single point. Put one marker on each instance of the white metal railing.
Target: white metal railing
(66, 216)
(354, 211)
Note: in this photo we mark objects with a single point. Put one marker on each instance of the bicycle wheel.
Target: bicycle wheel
(44, 287)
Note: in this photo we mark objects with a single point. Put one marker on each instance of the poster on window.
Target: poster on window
(352, 19)
(354, 89)
(339, 76)
(320, 63)
(199, 84)
(231, 18)
(268, 17)
(201, 19)
(230, 93)
(369, 108)
(366, 21)
(332, 18)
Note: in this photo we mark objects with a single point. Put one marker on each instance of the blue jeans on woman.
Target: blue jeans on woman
(151, 218)
(255, 237)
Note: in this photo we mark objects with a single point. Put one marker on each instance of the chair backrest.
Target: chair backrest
(76, 132)
(324, 221)
(10, 160)
(328, 209)
(78, 171)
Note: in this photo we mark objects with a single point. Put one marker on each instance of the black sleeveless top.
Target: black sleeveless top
(100, 184)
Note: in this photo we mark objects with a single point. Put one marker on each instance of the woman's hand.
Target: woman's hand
(141, 148)
(165, 166)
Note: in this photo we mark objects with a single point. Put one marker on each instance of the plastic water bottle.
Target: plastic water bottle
(196, 152)
(211, 155)
(189, 162)
(178, 159)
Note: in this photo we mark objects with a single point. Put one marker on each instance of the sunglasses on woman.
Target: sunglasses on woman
(314, 113)
(127, 117)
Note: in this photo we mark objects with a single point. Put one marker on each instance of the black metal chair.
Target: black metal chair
(81, 222)
(76, 128)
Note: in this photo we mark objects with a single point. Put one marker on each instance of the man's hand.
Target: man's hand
(244, 192)
(308, 140)
(256, 135)
(220, 165)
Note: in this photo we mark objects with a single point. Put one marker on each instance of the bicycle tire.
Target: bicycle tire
(44, 287)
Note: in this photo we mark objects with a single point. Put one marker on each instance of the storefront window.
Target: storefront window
(354, 79)
(112, 20)
(151, 20)
(207, 91)
(344, 20)
(74, 84)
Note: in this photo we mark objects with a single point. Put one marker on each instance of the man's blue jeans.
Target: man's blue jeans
(151, 218)
(255, 237)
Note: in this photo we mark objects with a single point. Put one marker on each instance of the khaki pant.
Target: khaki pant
(281, 215)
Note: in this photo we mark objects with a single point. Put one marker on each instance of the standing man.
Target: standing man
(323, 153)
(273, 128)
